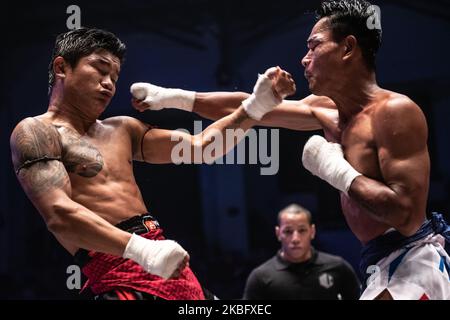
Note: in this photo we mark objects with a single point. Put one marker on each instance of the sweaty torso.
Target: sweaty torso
(360, 150)
(100, 168)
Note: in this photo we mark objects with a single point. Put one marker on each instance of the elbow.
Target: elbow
(56, 225)
(405, 210)
(58, 222)
(395, 210)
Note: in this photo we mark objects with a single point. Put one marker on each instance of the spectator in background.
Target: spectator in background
(298, 271)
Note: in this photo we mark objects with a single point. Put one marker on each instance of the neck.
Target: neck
(69, 113)
(354, 93)
(304, 258)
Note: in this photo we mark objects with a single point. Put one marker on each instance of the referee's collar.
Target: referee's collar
(281, 264)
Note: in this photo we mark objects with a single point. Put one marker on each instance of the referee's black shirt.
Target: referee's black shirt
(323, 277)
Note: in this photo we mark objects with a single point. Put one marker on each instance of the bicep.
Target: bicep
(153, 145)
(404, 174)
(36, 155)
(167, 146)
(402, 151)
(137, 130)
(46, 184)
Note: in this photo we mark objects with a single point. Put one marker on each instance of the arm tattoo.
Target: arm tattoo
(29, 163)
(32, 140)
(35, 146)
(43, 177)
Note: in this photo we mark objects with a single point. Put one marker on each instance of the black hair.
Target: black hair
(78, 43)
(354, 17)
(296, 209)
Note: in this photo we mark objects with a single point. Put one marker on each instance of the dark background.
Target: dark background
(224, 215)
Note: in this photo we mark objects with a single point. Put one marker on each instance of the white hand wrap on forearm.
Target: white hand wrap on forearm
(159, 98)
(326, 160)
(262, 100)
(158, 257)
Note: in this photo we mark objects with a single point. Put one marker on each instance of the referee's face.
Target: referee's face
(295, 234)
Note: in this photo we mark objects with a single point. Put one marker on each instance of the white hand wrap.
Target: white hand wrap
(158, 257)
(262, 100)
(326, 160)
(159, 98)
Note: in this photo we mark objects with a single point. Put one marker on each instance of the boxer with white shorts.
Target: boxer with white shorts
(374, 151)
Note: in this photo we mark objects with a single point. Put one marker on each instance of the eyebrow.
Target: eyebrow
(313, 39)
(294, 227)
(103, 60)
(106, 62)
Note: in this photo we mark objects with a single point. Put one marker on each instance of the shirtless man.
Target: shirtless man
(375, 153)
(77, 170)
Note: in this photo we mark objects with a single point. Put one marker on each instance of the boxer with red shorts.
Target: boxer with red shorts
(78, 170)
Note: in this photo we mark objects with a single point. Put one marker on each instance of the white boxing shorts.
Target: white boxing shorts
(418, 271)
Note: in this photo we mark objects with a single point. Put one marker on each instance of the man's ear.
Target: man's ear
(59, 67)
(277, 232)
(313, 231)
(350, 44)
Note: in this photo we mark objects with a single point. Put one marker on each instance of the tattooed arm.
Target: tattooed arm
(36, 155)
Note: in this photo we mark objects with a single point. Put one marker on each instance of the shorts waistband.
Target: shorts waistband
(137, 224)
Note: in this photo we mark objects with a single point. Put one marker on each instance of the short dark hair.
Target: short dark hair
(295, 209)
(349, 17)
(78, 43)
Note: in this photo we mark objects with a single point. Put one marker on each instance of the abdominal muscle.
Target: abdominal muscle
(112, 201)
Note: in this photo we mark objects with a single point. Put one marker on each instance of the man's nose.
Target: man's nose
(306, 60)
(295, 236)
(107, 83)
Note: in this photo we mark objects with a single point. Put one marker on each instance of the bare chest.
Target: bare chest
(100, 154)
(360, 149)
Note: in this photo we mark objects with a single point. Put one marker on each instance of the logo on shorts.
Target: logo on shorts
(326, 280)
(150, 225)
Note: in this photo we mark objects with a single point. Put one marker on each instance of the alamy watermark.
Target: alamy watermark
(374, 20)
(375, 273)
(74, 20)
(258, 142)
(74, 279)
